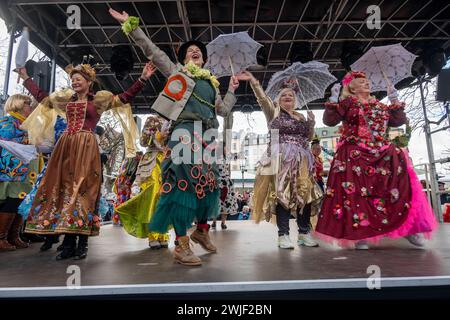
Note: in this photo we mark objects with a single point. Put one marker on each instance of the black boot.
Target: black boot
(49, 241)
(69, 245)
(47, 245)
(82, 248)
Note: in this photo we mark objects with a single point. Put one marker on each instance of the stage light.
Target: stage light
(301, 52)
(434, 59)
(122, 61)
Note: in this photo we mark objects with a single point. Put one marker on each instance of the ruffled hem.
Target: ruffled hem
(179, 209)
(420, 219)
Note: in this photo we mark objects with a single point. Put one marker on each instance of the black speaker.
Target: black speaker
(122, 61)
(40, 72)
(443, 86)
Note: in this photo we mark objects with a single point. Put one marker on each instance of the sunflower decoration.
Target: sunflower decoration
(22, 195)
(33, 175)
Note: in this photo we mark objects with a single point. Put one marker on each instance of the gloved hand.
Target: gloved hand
(335, 90)
(392, 93)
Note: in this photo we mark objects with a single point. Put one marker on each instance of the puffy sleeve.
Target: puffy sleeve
(270, 109)
(105, 100)
(397, 116)
(335, 112)
(40, 123)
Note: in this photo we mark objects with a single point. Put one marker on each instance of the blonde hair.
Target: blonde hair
(15, 103)
(296, 102)
(346, 91)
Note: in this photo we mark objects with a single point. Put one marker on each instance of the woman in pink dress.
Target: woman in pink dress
(372, 190)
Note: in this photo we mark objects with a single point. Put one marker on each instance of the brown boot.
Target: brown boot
(14, 231)
(201, 236)
(183, 253)
(6, 219)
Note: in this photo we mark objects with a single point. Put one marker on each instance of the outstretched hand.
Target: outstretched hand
(22, 73)
(120, 17)
(234, 84)
(148, 71)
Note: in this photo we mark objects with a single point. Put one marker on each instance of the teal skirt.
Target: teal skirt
(180, 208)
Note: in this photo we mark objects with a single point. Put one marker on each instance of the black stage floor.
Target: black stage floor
(248, 260)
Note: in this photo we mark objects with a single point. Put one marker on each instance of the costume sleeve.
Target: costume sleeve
(334, 113)
(132, 91)
(7, 129)
(270, 109)
(151, 51)
(35, 91)
(224, 106)
(397, 116)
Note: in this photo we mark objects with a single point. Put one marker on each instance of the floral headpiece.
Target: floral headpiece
(84, 69)
(290, 84)
(352, 75)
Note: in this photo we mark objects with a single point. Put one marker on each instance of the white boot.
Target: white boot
(416, 239)
(362, 245)
(284, 242)
(306, 240)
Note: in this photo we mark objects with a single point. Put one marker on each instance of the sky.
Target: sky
(256, 122)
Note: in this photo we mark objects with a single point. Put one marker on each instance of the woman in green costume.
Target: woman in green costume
(191, 98)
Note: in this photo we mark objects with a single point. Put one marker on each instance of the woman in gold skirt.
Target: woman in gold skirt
(285, 182)
(66, 200)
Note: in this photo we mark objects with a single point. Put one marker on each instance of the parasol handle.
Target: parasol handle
(300, 91)
(388, 82)
(231, 66)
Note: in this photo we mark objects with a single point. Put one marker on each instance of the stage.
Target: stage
(248, 264)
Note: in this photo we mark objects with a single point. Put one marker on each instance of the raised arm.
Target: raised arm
(224, 106)
(31, 86)
(397, 115)
(128, 95)
(130, 25)
(270, 110)
(334, 110)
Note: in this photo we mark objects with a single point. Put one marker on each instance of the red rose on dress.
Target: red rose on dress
(370, 171)
(355, 154)
(349, 187)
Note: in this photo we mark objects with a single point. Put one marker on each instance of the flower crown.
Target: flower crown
(290, 84)
(352, 75)
(84, 69)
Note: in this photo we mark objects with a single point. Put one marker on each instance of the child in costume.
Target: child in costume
(135, 214)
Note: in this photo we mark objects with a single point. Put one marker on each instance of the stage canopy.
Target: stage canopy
(288, 29)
